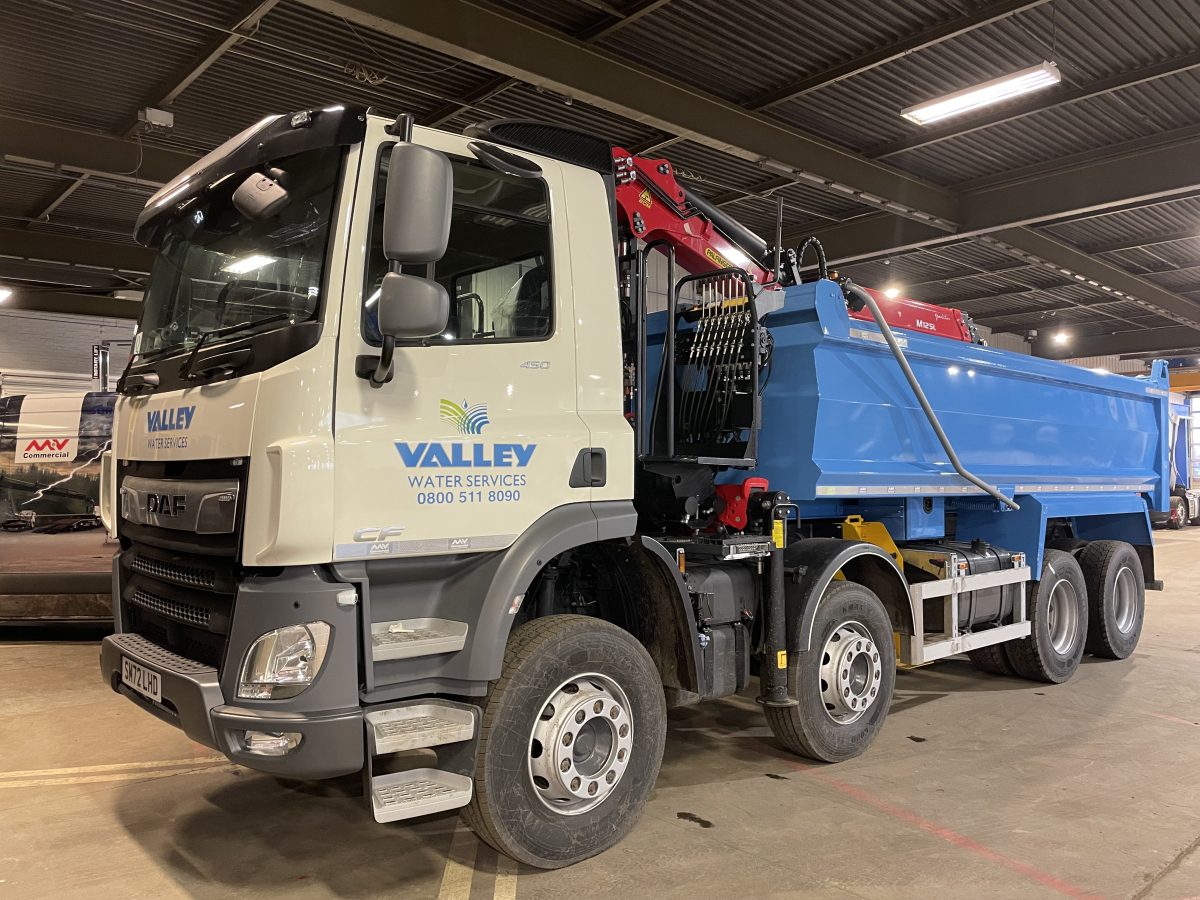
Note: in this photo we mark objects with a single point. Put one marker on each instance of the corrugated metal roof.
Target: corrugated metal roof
(738, 51)
(570, 16)
(97, 71)
(118, 53)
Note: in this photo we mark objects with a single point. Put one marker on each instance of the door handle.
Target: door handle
(590, 469)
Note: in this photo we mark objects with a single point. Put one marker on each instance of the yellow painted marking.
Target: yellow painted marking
(114, 767)
(460, 866)
(781, 659)
(110, 776)
(777, 533)
(506, 879)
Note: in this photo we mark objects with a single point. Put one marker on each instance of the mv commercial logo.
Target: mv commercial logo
(468, 420)
(47, 449)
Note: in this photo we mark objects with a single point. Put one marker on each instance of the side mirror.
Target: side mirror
(417, 205)
(408, 308)
(412, 307)
(416, 229)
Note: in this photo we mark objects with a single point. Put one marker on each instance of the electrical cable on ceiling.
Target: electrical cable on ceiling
(392, 62)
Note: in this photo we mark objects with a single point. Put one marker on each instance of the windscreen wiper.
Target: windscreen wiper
(185, 371)
(134, 383)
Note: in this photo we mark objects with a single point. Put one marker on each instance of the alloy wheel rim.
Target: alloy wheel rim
(1062, 616)
(581, 744)
(851, 672)
(1125, 600)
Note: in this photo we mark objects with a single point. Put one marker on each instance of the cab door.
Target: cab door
(477, 434)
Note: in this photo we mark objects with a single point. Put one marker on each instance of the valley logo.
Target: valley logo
(177, 419)
(467, 419)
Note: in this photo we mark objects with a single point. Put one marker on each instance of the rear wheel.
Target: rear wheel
(993, 660)
(1116, 591)
(570, 744)
(1057, 607)
(1176, 513)
(844, 683)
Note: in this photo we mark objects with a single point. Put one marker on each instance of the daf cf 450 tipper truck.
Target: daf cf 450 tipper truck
(405, 460)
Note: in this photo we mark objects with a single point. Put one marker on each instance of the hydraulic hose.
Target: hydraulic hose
(867, 300)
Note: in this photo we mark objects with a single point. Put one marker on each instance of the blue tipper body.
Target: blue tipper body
(843, 434)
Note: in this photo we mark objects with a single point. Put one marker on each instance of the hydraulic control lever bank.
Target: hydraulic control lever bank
(497, 445)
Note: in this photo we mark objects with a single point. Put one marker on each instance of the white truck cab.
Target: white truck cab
(301, 544)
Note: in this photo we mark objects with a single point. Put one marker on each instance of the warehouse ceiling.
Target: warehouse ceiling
(1072, 210)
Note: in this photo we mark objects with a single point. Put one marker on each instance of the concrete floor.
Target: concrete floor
(978, 787)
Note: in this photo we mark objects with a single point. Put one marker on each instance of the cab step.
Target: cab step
(408, 638)
(429, 724)
(418, 792)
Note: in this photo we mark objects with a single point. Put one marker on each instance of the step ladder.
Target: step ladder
(414, 725)
(406, 638)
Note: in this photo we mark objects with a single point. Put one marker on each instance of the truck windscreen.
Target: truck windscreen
(217, 268)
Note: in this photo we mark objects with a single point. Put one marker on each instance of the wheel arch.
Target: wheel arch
(811, 566)
(651, 602)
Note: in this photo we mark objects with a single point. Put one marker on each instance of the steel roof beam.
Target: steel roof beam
(1085, 269)
(483, 93)
(74, 251)
(1145, 176)
(1059, 96)
(59, 197)
(86, 150)
(922, 40)
(930, 37)
(178, 81)
(1152, 240)
(73, 304)
(1141, 340)
(486, 36)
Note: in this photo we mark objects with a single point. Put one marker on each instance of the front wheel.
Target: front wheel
(843, 684)
(570, 744)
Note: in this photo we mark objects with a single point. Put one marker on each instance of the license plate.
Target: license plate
(141, 679)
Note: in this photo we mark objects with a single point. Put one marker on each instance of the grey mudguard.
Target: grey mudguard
(811, 565)
(484, 590)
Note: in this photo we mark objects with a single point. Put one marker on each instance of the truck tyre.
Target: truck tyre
(570, 742)
(1176, 513)
(993, 660)
(1116, 590)
(1057, 605)
(843, 683)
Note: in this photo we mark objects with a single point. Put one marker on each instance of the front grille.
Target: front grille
(164, 570)
(177, 587)
(172, 609)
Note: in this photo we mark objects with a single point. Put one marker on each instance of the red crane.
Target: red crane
(655, 206)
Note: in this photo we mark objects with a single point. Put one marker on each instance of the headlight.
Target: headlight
(283, 662)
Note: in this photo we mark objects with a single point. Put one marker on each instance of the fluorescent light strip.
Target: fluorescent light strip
(248, 264)
(997, 90)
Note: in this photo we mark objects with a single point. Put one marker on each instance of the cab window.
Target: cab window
(497, 267)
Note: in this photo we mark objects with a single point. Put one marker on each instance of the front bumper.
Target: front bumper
(332, 743)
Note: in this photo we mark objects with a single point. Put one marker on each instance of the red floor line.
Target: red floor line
(1170, 718)
(1045, 879)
